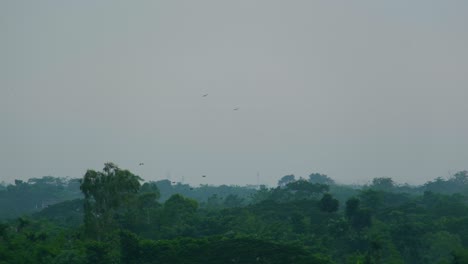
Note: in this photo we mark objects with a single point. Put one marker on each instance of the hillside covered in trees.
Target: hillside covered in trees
(113, 216)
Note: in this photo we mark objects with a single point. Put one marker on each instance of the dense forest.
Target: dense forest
(113, 216)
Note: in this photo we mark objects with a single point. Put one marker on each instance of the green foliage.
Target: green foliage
(233, 200)
(105, 194)
(203, 192)
(321, 179)
(179, 208)
(352, 207)
(69, 213)
(225, 250)
(285, 180)
(35, 194)
(385, 184)
(328, 203)
(69, 257)
(458, 183)
(460, 257)
(303, 189)
(298, 222)
(437, 247)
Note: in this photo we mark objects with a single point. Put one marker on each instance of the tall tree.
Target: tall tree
(303, 189)
(328, 203)
(386, 184)
(321, 179)
(286, 179)
(105, 193)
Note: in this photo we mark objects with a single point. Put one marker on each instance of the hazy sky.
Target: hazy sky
(351, 89)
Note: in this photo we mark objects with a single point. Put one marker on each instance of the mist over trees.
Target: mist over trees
(113, 216)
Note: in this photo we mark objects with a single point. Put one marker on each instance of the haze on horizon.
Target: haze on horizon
(354, 90)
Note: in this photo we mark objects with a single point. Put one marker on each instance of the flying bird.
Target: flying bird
(205, 95)
(204, 176)
(237, 108)
(141, 163)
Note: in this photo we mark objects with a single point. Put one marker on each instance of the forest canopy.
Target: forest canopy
(113, 216)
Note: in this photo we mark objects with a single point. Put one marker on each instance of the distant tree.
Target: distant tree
(22, 223)
(303, 189)
(261, 195)
(213, 202)
(166, 189)
(178, 206)
(461, 177)
(105, 193)
(233, 200)
(328, 203)
(384, 184)
(73, 185)
(164, 184)
(456, 184)
(150, 187)
(371, 199)
(362, 219)
(19, 182)
(48, 180)
(321, 179)
(3, 186)
(352, 206)
(359, 218)
(143, 207)
(437, 185)
(178, 216)
(285, 180)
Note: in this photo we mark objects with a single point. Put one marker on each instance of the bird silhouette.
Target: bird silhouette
(141, 163)
(205, 95)
(237, 108)
(204, 176)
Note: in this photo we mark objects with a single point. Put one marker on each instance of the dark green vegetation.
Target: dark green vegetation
(109, 216)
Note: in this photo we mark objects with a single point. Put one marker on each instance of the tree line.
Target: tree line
(115, 217)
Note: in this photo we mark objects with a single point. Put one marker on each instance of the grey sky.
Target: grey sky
(352, 89)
